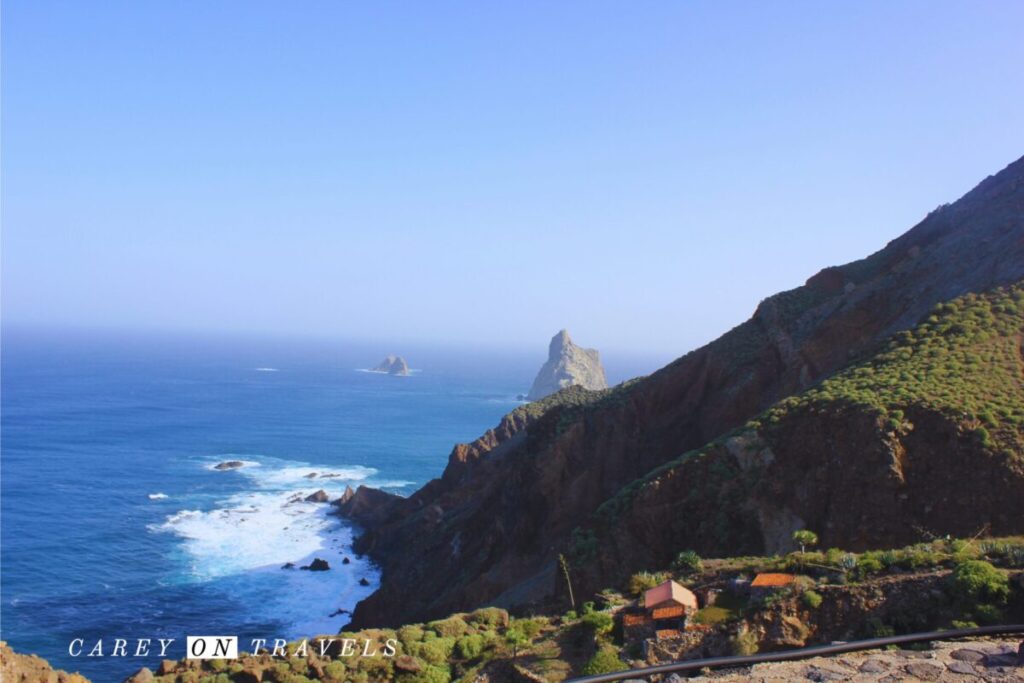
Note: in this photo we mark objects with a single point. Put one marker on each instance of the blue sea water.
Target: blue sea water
(115, 524)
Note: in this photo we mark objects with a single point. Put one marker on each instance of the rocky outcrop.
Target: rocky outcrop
(317, 497)
(18, 668)
(568, 365)
(393, 365)
(507, 504)
(229, 465)
(317, 565)
(365, 506)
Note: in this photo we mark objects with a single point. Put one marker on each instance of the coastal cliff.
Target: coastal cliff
(490, 529)
(567, 366)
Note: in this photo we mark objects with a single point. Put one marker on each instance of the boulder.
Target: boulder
(364, 582)
(318, 497)
(229, 465)
(317, 565)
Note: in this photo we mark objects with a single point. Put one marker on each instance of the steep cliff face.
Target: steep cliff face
(567, 366)
(490, 529)
(924, 438)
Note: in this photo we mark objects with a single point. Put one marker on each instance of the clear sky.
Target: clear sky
(642, 173)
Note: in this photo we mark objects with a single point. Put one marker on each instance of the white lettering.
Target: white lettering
(142, 647)
(71, 647)
(164, 644)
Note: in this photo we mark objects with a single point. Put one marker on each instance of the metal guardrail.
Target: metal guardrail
(802, 653)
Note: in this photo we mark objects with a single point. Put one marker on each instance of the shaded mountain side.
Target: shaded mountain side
(926, 438)
(489, 530)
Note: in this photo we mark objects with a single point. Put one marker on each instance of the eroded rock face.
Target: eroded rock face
(16, 667)
(508, 503)
(568, 365)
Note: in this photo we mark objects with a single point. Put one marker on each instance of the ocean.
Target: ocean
(115, 523)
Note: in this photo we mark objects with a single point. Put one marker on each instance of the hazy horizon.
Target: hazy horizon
(466, 175)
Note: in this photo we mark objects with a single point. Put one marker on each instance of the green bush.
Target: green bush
(470, 647)
(688, 562)
(492, 617)
(744, 644)
(429, 674)
(335, 671)
(410, 634)
(812, 599)
(979, 581)
(452, 627)
(643, 581)
(599, 623)
(605, 661)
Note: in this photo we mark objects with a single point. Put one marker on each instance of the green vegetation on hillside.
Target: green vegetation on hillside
(964, 360)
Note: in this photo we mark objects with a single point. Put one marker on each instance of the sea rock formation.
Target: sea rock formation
(528, 490)
(568, 365)
(317, 565)
(229, 465)
(318, 497)
(393, 365)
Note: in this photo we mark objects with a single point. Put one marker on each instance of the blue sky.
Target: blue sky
(641, 173)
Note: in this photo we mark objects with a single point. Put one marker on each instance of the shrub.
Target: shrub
(570, 615)
(490, 616)
(638, 583)
(979, 581)
(688, 562)
(812, 599)
(598, 622)
(744, 644)
(530, 627)
(335, 671)
(452, 627)
(436, 651)
(605, 661)
(410, 634)
(470, 647)
(429, 674)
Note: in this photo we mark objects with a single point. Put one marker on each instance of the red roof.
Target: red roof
(772, 580)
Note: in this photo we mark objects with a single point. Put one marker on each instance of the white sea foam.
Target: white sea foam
(270, 525)
(157, 496)
(266, 369)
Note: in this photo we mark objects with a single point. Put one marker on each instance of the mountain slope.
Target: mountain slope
(489, 530)
(924, 439)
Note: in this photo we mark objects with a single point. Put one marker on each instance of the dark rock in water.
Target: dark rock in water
(346, 561)
(229, 465)
(393, 365)
(317, 565)
(364, 582)
(339, 612)
(318, 497)
(311, 475)
(568, 365)
(288, 565)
